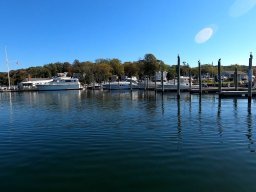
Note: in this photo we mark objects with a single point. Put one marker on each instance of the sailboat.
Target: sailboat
(8, 71)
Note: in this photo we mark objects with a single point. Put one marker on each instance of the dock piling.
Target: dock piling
(178, 76)
(219, 75)
(200, 78)
(236, 79)
(250, 79)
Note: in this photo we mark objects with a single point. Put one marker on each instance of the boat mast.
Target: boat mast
(8, 72)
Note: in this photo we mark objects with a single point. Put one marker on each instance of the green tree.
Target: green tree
(102, 72)
(185, 69)
(171, 72)
(151, 65)
(131, 69)
(117, 67)
(87, 72)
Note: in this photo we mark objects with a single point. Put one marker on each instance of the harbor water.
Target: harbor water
(126, 141)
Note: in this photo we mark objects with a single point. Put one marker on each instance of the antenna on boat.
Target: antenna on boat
(8, 72)
(8, 67)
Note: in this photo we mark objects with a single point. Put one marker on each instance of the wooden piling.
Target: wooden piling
(155, 83)
(131, 84)
(250, 79)
(162, 80)
(178, 76)
(236, 79)
(200, 78)
(219, 75)
(190, 79)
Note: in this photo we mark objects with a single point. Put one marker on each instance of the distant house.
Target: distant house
(158, 75)
(241, 76)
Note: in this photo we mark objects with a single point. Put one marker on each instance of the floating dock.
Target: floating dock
(216, 90)
(236, 94)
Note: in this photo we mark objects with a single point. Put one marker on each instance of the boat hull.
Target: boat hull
(120, 86)
(171, 87)
(58, 87)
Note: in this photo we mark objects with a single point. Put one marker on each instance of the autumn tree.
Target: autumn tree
(131, 69)
(102, 72)
(117, 67)
(151, 65)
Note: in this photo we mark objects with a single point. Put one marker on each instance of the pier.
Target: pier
(237, 94)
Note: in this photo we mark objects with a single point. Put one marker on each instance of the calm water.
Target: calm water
(122, 141)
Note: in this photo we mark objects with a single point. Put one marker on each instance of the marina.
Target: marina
(142, 141)
(128, 96)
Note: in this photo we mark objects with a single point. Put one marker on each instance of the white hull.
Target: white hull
(119, 85)
(172, 87)
(53, 87)
(60, 83)
(167, 85)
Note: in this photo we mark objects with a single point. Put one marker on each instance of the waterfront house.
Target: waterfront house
(241, 76)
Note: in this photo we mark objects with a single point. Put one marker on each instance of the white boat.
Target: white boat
(172, 85)
(60, 83)
(128, 83)
(94, 86)
(167, 86)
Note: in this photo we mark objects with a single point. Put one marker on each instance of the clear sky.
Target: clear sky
(38, 32)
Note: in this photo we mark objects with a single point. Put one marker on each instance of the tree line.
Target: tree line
(103, 69)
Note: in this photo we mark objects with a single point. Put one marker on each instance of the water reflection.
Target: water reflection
(190, 104)
(235, 108)
(179, 116)
(179, 125)
(250, 129)
(219, 123)
(200, 104)
(11, 107)
(162, 99)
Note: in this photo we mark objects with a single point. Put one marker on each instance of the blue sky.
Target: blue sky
(38, 32)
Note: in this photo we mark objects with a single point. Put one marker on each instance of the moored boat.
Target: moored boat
(60, 83)
(126, 84)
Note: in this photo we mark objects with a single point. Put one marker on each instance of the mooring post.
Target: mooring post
(145, 83)
(131, 84)
(219, 75)
(148, 83)
(190, 79)
(200, 78)
(236, 79)
(178, 76)
(155, 83)
(250, 79)
(162, 81)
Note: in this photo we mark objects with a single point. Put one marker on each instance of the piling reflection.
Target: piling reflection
(190, 104)
(219, 123)
(200, 104)
(235, 108)
(179, 124)
(162, 99)
(250, 128)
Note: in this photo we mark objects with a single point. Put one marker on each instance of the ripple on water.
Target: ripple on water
(99, 141)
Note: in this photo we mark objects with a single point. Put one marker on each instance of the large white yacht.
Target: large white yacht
(62, 82)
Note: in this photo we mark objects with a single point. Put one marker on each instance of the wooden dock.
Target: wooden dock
(236, 94)
(206, 90)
